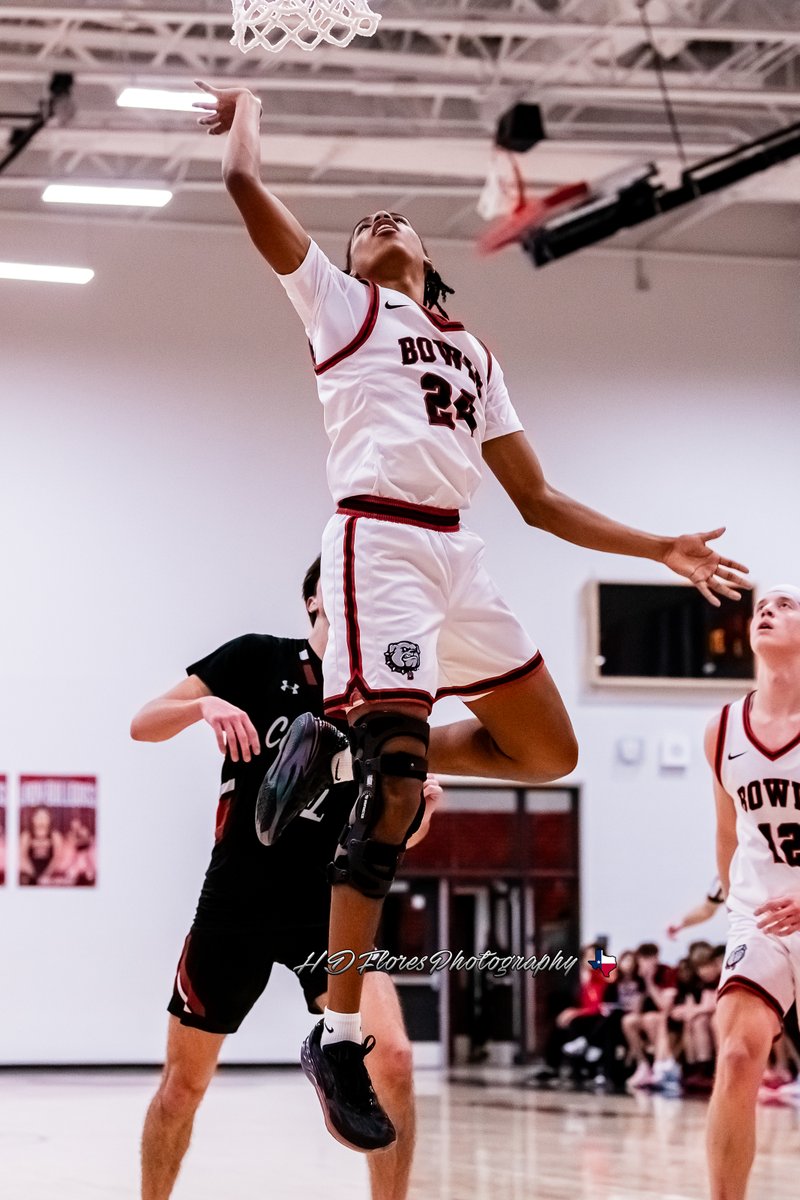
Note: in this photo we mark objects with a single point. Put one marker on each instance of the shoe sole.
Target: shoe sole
(308, 1071)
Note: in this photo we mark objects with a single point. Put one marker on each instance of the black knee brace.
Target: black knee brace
(368, 865)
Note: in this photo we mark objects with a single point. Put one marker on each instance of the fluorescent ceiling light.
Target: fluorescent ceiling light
(43, 274)
(159, 98)
(69, 193)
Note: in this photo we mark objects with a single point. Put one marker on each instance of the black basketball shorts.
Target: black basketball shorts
(223, 970)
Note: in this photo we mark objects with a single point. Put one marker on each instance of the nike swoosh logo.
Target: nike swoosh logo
(737, 755)
(388, 305)
(328, 1027)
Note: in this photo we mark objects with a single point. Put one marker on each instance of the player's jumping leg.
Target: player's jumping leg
(189, 1068)
(522, 732)
(390, 767)
(746, 1028)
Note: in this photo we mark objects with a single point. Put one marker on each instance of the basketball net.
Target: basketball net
(273, 24)
(504, 190)
(514, 214)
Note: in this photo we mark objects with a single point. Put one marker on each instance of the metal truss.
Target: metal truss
(414, 106)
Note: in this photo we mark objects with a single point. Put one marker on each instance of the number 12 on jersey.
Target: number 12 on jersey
(789, 835)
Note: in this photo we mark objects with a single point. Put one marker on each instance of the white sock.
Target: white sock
(342, 766)
(340, 1027)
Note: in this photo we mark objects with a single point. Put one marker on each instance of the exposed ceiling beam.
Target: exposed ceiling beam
(478, 25)
(411, 158)
(619, 251)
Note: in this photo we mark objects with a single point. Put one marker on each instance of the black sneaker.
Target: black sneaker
(351, 1109)
(300, 771)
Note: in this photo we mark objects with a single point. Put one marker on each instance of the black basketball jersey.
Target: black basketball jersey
(273, 680)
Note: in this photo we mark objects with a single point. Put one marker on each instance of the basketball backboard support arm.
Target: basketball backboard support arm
(642, 197)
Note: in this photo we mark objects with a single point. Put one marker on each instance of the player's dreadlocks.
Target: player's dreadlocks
(435, 291)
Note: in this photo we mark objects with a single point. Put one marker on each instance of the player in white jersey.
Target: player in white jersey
(753, 747)
(413, 406)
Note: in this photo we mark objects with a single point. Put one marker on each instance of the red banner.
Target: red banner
(57, 830)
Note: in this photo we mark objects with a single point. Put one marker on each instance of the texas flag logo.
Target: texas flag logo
(605, 963)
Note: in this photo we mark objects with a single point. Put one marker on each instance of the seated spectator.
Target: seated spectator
(575, 1027)
(646, 1031)
(624, 994)
(692, 1013)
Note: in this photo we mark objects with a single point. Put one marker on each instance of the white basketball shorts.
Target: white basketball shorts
(763, 963)
(413, 613)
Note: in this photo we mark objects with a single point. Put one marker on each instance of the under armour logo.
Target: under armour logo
(294, 688)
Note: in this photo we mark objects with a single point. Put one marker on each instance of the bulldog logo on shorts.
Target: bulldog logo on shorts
(403, 657)
(736, 956)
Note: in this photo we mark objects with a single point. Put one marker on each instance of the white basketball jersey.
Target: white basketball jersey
(410, 399)
(765, 787)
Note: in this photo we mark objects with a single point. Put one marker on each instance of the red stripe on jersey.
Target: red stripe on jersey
(751, 986)
(350, 602)
(489, 359)
(748, 728)
(338, 705)
(484, 685)
(443, 520)
(193, 1002)
(443, 324)
(362, 335)
(223, 813)
(723, 727)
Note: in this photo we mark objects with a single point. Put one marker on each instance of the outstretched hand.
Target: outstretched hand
(690, 556)
(218, 112)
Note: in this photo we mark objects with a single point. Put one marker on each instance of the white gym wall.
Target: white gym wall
(162, 489)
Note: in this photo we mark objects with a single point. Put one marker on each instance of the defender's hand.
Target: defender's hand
(219, 111)
(432, 793)
(234, 731)
(780, 916)
(690, 556)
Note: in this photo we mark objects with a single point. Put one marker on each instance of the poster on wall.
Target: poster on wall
(2, 829)
(57, 830)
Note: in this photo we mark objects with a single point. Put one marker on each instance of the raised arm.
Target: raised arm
(726, 813)
(695, 916)
(275, 232)
(186, 704)
(512, 459)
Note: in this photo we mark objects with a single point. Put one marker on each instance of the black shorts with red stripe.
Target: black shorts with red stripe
(224, 969)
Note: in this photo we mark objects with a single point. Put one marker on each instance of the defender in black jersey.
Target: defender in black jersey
(261, 905)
